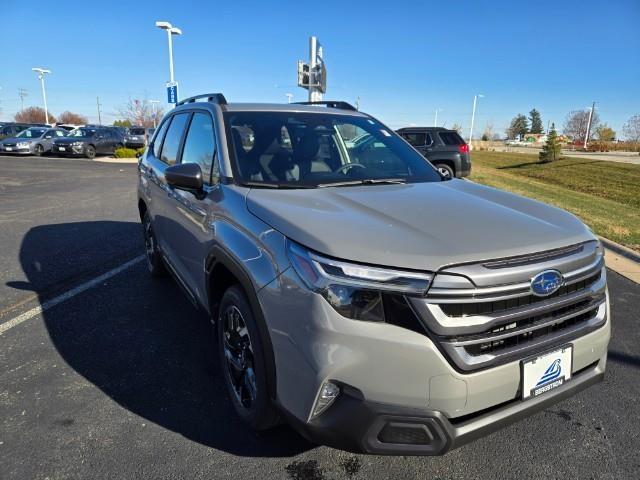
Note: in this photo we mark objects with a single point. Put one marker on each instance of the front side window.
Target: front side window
(297, 149)
(199, 146)
(157, 142)
(173, 137)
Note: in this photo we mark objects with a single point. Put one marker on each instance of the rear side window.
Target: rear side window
(451, 138)
(199, 146)
(416, 139)
(173, 137)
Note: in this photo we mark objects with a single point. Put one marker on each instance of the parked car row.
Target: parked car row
(87, 141)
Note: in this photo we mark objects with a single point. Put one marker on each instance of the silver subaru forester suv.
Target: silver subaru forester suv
(358, 295)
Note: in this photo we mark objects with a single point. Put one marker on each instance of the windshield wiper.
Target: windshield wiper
(367, 181)
(274, 185)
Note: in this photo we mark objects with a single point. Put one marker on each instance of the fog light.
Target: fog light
(328, 393)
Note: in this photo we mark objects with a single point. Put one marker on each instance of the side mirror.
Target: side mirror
(185, 176)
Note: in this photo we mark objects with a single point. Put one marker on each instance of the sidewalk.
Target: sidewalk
(115, 160)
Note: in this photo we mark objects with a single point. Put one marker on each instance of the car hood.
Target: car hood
(423, 226)
(13, 140)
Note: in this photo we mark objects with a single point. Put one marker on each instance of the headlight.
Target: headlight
(355, 291)
(23, 144)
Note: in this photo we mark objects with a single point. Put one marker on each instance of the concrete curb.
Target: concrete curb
(621, 250)
(622, 260)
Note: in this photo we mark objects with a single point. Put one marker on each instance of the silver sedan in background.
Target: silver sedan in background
(32, 141)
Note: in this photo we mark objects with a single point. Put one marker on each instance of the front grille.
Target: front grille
(498, 322)
(529, 334)
(486, 308)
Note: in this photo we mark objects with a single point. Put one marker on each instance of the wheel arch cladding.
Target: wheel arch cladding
(231, 270)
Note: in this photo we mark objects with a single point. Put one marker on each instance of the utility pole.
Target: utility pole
(98, 104)
(22, 93)
(586, 135)
(315, 52)
(313, 75)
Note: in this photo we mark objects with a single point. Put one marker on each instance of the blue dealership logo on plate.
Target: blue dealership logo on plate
(547, 282)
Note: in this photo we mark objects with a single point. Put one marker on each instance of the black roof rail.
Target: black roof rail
(211, 97)
(331, 104)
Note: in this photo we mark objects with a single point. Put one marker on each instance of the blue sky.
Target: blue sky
(403, 59)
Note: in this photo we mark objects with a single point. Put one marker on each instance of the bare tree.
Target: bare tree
(33, 115)
(72, 118)
(457, 127)
(141, 112)
(488, 132)
(575, 125)
(631, 129)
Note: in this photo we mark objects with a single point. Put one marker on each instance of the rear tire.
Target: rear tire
(242, 360)
(445, 170)
(155, 264)
(90, 152)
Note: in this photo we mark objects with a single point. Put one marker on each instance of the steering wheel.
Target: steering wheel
(348, 166)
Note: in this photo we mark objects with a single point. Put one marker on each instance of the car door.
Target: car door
(188, 213)
(164, 153)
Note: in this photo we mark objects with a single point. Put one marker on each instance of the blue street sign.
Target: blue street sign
(172, 92)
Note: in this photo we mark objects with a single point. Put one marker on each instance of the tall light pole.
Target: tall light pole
(171, 30)
(435, 121)
(473, 115)
(41, 73)
(289, 97)
(586, 135)
(153, 105)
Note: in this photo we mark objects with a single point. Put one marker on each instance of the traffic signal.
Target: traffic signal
(303, 74)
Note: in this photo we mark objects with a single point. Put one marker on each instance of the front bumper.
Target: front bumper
(394, 373)
(357, 425)
(16, 150)
(68, 149)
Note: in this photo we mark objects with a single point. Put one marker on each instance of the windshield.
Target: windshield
(31, 133)
(136, 131)
(294, 149)
(82, 133)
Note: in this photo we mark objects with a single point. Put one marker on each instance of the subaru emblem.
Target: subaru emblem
(547, 282)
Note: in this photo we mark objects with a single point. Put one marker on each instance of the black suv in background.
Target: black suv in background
(88, 141)
(445, 149)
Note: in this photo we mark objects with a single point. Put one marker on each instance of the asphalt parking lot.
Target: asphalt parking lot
(119, 380)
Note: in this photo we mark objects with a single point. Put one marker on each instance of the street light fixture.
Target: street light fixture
(171, 30)
(41, 73)
(473, 115)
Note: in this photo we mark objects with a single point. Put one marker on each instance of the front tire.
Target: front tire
(242, 360)
(90, 152)
(155, 264)
(38, 150)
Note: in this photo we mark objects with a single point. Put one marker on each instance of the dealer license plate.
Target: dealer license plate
(546, 372)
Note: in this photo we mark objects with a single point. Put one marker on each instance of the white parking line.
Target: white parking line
(67, 295)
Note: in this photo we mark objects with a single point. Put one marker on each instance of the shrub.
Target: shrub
(125, 153)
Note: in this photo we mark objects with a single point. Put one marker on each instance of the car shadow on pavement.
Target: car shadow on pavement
(141, 342)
